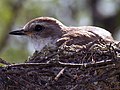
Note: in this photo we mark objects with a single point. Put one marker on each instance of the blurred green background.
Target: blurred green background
(16, 13)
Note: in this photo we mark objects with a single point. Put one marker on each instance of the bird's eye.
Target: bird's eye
(39, 28)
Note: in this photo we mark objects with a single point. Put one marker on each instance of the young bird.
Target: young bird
(49, 32)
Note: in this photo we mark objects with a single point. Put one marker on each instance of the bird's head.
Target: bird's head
(42, 31)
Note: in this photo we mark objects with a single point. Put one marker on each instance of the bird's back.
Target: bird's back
(83, 35)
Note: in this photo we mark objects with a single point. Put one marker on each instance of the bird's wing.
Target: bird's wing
(104, 34)
(80, 36)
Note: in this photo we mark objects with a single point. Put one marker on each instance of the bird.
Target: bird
(50, 32)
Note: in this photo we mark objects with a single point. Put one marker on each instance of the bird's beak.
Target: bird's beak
(18, 32)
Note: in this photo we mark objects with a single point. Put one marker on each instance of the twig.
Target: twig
(71, 65)
(60, 73)
(73, 88)
(4, 62)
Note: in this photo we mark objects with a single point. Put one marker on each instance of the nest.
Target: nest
(95, 66)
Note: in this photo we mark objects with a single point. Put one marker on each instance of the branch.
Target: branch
(70, 65)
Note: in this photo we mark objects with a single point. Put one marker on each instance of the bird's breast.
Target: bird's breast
(39, 43)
